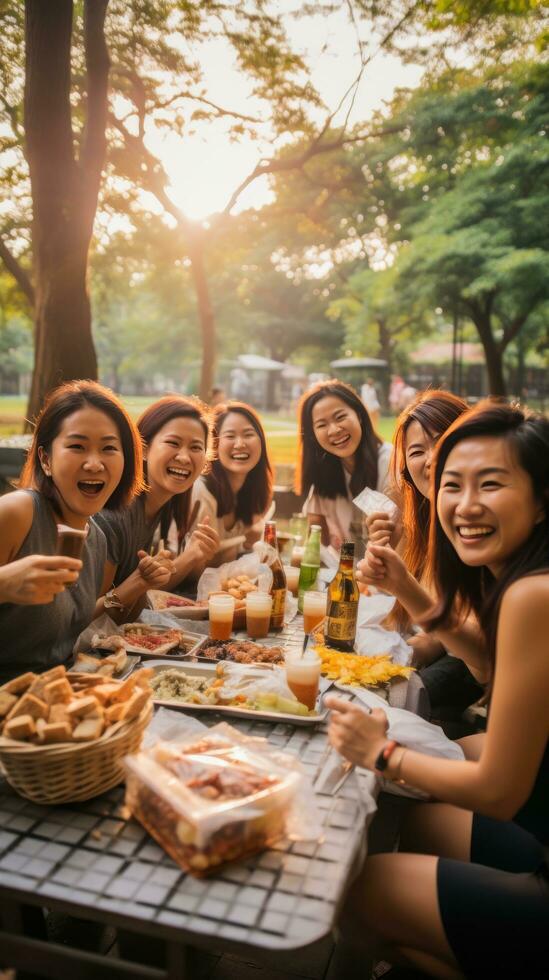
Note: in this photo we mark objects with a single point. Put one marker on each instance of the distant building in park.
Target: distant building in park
(265, 383)
(433, 364)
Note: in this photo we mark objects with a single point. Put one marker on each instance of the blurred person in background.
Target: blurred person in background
(369, 397)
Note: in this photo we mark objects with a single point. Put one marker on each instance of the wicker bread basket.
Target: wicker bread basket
(72, 771)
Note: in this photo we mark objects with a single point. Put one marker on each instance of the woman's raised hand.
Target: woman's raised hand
(204, 541)
(37, 579)
(380, 527)
(382, 567)
(356, 734)
(156, 571)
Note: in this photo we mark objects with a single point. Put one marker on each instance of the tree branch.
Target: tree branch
(154, 179)
(138, 96)
(511, 330)
(17, 271)
(220, 111)
(284, 164)
(354, 86)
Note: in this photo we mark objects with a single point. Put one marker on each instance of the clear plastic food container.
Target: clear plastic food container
(211, 805)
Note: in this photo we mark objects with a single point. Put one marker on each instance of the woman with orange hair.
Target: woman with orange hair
(449, 683)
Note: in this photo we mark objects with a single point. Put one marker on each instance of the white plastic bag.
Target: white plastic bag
(250, 565)
(414, 733)
(256, 566)
(372, 639)
(411, 730)
(304, 820)
(103, 625)
(171, 726)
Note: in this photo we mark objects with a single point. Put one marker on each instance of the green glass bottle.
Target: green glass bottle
(310, 565)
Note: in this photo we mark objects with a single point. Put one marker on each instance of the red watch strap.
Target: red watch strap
(384, 756)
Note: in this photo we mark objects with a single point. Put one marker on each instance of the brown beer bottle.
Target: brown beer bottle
(342, 602)
(278, 588)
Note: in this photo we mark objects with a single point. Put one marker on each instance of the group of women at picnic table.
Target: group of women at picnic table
(467, 893)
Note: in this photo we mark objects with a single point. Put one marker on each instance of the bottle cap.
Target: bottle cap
(348, 549)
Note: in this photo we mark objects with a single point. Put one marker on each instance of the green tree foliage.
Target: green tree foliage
(477, 245)
(377, 322)
(348, 202)
(15, 330)
(453, 194)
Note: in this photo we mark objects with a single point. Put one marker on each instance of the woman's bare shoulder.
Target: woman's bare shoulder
(528, 596)
(17, 504)
(16, 513)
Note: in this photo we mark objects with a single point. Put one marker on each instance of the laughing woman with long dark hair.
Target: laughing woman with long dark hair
(85, 453)
(237, 491)
(339, 455)
(175, 432)
(471, 895)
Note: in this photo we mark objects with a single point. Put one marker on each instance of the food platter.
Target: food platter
(181, 645)
(182, 608)
(208, 672)
(119, 675)
(239, 650)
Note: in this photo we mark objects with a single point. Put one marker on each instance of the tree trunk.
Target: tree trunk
(385, 344)
(64, 190)
(493, 353)
(64, 347)
(206, 319)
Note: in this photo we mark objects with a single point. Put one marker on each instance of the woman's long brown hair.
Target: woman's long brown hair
(322, 469)
(65, 400)
(434, 411)
(474, 588)
(154, 418)
(256, 494)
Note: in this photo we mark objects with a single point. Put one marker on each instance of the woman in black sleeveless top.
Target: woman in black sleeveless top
(468, 894)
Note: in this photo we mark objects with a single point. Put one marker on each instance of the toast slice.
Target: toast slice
(21, 728)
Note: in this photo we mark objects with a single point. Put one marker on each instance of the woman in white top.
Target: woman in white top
(339, 454)
(237, 491)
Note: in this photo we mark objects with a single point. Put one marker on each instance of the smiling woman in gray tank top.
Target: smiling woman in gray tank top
(85, 452)
(174, 431)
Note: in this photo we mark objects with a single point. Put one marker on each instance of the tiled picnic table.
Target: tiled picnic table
(90, 861)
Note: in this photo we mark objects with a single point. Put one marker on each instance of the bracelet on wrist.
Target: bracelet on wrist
(112, 600)
(397, 778)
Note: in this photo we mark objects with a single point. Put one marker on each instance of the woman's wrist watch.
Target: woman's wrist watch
(382, 760)
(112, 601)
